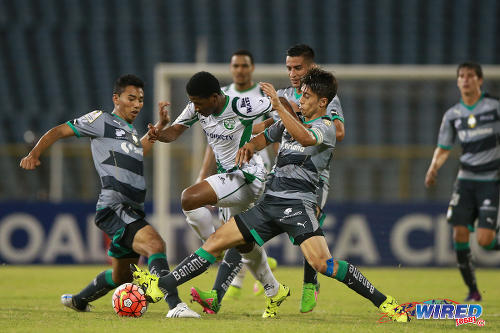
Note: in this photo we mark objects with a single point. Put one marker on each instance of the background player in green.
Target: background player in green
(289, 202)
(475, 120)
(118, 158)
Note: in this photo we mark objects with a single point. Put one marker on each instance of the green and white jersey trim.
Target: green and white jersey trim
(230, 129)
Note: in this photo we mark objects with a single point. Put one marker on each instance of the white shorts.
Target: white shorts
(235, 193)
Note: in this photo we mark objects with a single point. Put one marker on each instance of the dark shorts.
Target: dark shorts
(121, 233)
(473, 200)
(273, 216)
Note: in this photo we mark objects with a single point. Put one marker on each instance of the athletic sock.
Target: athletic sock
(200, 220)
(228, 269)
(189, 268)
(258, 266)
(158, 265)
(464, 259)
(352, 277)
(240, 277)
(99, 287)
(310, 275)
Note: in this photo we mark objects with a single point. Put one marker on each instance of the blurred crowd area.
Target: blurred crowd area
(59, 59)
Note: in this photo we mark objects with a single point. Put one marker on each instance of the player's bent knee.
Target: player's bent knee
(187, 200)
(485, 242)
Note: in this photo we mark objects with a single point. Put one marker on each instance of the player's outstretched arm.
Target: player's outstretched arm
(261, 127)
(246, 152)
(163, 120)
(440, 156)
(32, 160)
(299, 132)
(165, 134)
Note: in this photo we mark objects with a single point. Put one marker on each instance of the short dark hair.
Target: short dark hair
(203, 84)
(301, 50)
(243, 52)
(472, 65)
(322, 83)
(127, 80)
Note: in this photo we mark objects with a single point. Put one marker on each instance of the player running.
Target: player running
(289, 202)
(118, 158)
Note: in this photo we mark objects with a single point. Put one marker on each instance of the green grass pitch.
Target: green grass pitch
(30, 303)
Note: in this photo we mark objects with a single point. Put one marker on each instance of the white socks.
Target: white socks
(256, 262)
(200, 220)
(240, 277)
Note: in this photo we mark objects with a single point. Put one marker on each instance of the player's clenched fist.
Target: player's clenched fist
(29, 162)
(269, 90)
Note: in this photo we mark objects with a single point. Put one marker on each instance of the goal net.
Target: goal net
(392, 117)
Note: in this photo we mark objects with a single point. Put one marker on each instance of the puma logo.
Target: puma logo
(302, 224)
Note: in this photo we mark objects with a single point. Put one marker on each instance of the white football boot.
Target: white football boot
(182, 311)
(67, 301)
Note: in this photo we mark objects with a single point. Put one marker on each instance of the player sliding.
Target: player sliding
(118, 157)
(289, 202)
(227, 122)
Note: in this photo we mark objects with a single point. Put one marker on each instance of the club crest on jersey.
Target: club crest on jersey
(229, 123)
(327, 122)
(471, 121)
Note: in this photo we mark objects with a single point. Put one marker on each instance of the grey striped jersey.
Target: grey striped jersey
(297, 171)
(477, 128)
(334, 109)
(118, 158)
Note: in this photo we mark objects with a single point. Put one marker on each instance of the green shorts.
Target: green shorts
(121, 233)
(473, 200)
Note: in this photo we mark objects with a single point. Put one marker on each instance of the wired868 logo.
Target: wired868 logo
(442, 309)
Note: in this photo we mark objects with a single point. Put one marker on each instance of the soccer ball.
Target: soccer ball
(129, 301)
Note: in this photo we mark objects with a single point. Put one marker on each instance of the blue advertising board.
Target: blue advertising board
(365, 234)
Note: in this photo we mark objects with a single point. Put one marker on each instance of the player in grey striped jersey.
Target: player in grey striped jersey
(475, 121)
(118, 153)
(299, 60)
